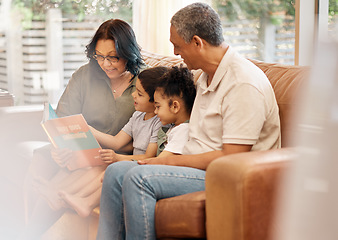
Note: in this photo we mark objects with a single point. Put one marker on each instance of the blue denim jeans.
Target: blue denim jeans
(130, 192)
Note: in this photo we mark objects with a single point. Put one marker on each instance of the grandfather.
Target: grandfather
(235, 111)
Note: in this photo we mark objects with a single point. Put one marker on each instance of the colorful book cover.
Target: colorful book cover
(48, 112)
(72, 132)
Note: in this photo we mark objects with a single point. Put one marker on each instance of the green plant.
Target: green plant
(36, 9)
(252, 9)
(333, 8)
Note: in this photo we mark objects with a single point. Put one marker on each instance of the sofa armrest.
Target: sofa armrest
(21, 132)
(21, 123)
(241, 191)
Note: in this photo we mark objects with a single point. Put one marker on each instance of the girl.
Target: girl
(174, 98)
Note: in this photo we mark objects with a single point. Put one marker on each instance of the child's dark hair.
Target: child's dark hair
(150, 78)
(179, 82)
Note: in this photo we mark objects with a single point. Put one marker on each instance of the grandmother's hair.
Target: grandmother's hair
(150, 78)
(201, 20)
(179, 82)
(125, 43)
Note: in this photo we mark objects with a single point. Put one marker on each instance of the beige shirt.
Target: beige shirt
(89, 92)
(238, 107)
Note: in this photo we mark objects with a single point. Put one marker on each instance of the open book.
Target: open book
(72, 132)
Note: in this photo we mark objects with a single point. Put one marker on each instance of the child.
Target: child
(174, 99)
(142, 127)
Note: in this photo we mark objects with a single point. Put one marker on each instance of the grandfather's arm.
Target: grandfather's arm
(199, 161)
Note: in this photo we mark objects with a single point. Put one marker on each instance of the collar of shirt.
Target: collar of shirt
(218, 76)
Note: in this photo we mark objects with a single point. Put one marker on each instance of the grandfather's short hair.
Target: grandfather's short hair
(201, 20)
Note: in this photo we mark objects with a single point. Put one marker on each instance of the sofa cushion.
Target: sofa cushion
(154, 60)
(287, 82)
(181, 217)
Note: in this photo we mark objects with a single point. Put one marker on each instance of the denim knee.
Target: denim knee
(135, 175)
(117, 171)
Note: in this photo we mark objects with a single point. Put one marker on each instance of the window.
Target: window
(263, 30)
(42, 44)
(332, 19)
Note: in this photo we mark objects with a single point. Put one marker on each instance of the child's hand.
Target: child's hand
(108, 156)
(93, 130)
(62, 156)
(154, 161)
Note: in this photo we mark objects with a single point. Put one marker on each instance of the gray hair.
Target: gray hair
(201, 20)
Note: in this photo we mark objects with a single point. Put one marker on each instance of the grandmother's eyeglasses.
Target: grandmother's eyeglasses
(111, 59)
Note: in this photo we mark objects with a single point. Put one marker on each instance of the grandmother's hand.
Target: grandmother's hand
(62, 156)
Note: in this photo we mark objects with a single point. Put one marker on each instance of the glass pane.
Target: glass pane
(333, 19)
(260, 29)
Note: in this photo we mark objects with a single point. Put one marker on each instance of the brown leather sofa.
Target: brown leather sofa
(241, 189)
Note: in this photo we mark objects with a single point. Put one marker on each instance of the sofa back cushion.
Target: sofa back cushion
(286, 80)
(153, 60)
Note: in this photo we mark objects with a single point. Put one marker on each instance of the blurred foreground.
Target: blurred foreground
(309, 202)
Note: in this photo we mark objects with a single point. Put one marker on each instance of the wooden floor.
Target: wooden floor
(11, 206)
(72, 227)
(69, 227)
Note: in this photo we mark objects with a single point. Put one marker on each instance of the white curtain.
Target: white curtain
(5, 10)
(151, 23)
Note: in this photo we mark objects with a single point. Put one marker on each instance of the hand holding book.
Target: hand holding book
(62, 156)
(72, 133)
